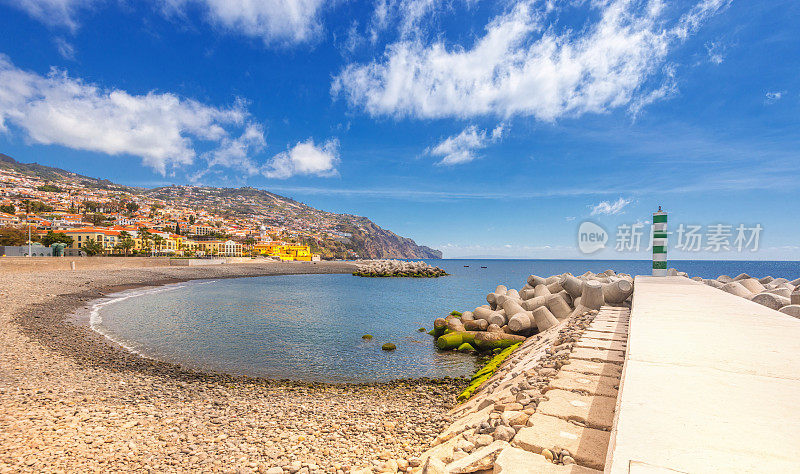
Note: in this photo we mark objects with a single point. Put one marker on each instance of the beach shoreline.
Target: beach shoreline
(60, 381)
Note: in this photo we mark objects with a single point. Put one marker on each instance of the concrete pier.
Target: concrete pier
(711, 383)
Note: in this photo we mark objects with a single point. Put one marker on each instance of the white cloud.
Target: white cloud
(65, 49)
(610, 208)
(305, 158)
(410, 16)
(526, 65)
(716, 52)
(53, 12)
(162, 129)
(461, 148)
(772, 97)
(274, 21)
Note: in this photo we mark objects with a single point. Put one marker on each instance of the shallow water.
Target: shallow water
(309, 327)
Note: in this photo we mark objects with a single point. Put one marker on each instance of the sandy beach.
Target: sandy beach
(71, 401)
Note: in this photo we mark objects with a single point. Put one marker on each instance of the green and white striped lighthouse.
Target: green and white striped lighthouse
(659, 243)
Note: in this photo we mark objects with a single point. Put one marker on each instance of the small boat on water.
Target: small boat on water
(483, 267)
(466, 266)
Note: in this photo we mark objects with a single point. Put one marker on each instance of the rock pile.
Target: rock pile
(398, 268)
(779, 294)
(548, 408)
(511, 316)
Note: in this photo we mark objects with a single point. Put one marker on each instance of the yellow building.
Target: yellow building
(286, 252)
(106, 237)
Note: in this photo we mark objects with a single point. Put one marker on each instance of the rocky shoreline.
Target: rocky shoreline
(70, 400)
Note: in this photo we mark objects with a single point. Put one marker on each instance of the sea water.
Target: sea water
(310, 327)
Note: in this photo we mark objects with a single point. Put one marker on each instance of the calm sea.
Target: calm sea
(309, 327)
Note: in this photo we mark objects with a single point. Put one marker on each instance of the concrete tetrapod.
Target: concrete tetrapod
(792, 310)
(535, 281)
(770, 300)
(544, 319)
(511, 308)
(467, 316)
(617, 292)
(557, 306)
(527, 293)
(556, 285)
(752, 284)
(736, 288)
(476, 325)
(716, 284)
(541, 290)
(795, 297)
(534, 303)
(521, 322)
(482, 312)
(592, 296)
(573, 285)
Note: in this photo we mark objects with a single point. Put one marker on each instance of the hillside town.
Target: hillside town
(66, 214)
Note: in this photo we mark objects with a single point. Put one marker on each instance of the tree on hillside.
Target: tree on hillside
(50, 188)
(96, 219)
(53, 237)
(92, 247)
(131, 207)
(12, 236)
(37, 207)
(8, 208)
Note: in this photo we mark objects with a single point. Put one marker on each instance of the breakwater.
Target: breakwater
(545, 402)
(511, 316)
(398, 268)
(779, 294)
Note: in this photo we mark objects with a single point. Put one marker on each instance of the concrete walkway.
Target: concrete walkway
(711, 384)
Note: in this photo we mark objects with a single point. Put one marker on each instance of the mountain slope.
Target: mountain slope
(330, 234)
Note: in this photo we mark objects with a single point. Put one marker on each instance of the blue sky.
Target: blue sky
(480, 128)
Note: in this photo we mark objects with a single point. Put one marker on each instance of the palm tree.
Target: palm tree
(158, 242)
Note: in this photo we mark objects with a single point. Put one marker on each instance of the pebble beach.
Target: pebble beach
(72, 401)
